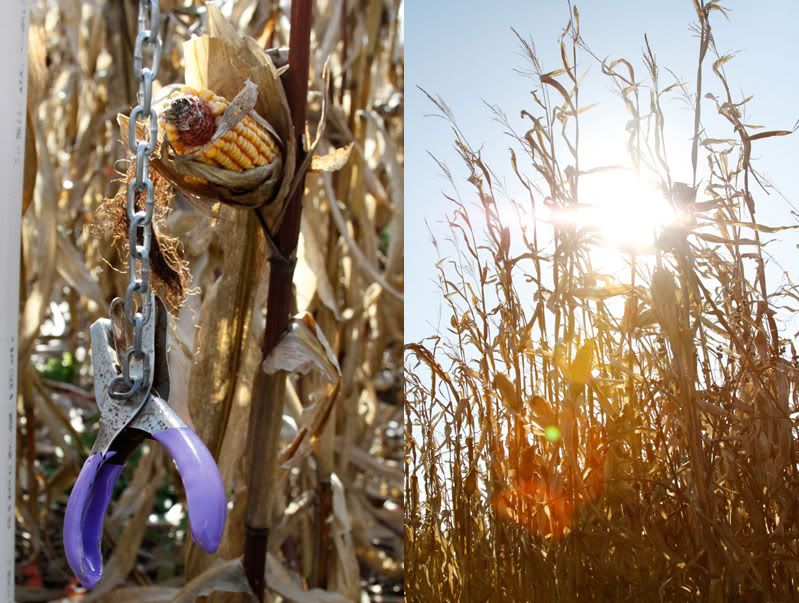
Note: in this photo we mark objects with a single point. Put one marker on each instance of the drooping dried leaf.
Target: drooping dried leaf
(332, 161)
(301, 349)
(583, 363)
(304, 348)
(280, 580)
(72, 268)
(507, 392)
(226, 577)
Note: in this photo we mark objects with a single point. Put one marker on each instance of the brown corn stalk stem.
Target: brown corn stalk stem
(268, 391)
(324, 508)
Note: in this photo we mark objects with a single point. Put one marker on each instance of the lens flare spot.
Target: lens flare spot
(552, 433)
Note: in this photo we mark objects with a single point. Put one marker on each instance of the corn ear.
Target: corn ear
(247, 145)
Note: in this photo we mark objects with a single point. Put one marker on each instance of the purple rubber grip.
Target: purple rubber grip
(205, 491)
(83, 521)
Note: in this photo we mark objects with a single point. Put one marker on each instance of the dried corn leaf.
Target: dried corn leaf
(346, 574)
(583, 364)
(304, 348)
(311, 273)
(280, 580)
(507, 392)
(72, 268)
(301, 349)
(224, 317)
(225, 577)
(142, 594)
(332, 161)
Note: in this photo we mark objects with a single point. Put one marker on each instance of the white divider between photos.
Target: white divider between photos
(14, 82)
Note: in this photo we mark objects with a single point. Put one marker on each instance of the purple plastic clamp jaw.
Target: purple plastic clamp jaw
(83, 522)
(88, 502)
(205, 491)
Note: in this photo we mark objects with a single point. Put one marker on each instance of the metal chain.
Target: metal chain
(137, 308)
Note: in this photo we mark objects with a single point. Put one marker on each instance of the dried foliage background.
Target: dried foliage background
(349, 277)
(573, 436)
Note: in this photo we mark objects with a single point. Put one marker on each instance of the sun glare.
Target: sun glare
(626, 208)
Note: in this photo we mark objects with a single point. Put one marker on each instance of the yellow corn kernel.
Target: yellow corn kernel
(260, 146)
(217, 107)
(232, 152)
(195, 180)
(206, 95)
(218, 154)
(266, 143)
(234, 148)
(247, 148)
(262, 133)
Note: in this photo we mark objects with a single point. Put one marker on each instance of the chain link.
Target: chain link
(137, 306)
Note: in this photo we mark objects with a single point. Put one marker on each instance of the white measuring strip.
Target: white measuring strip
(14, 75)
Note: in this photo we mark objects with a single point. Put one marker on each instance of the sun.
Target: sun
(626, 208)
(622, 211)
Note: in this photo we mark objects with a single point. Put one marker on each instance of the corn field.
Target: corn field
(334, 499)
(581, 434)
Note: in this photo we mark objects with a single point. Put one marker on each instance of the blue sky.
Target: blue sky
(466, 53)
